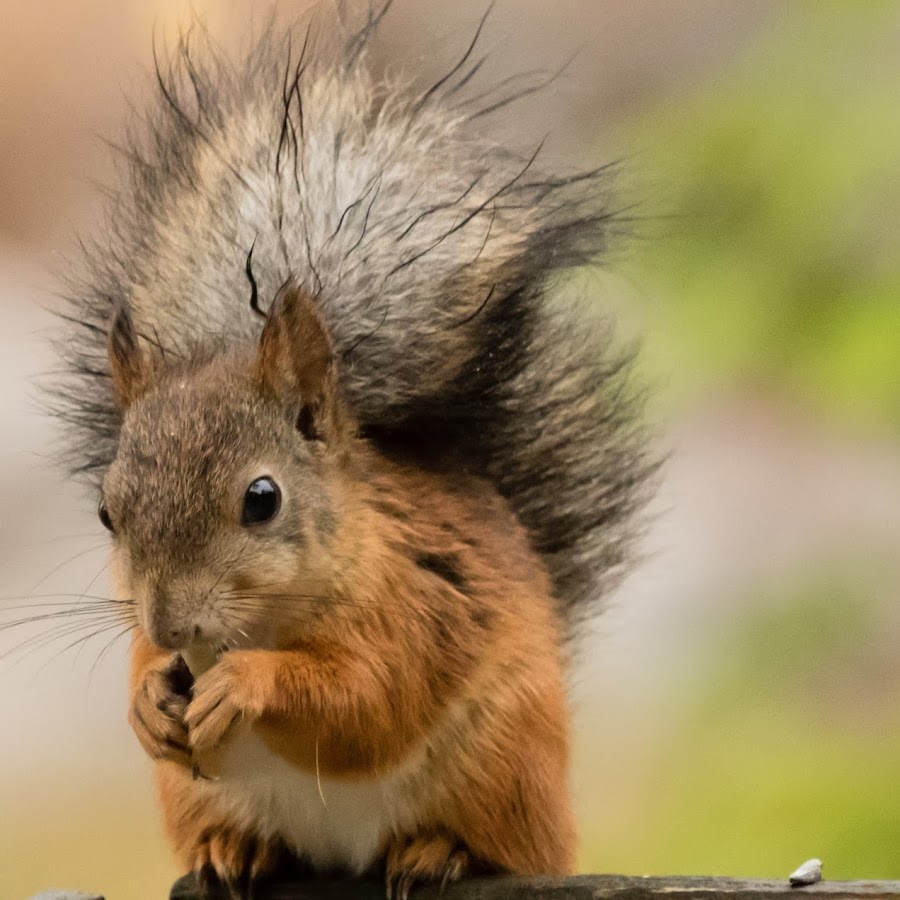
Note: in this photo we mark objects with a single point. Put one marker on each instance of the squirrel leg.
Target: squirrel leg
(520, 827)
(517, 768)
(430, 856)
(207, 841)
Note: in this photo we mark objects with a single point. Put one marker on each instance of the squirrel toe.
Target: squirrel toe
(434, 856)
(233, 857)
(157, 717)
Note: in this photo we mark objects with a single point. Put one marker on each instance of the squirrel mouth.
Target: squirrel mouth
(180, 678)
(200, 656)
(182, 674)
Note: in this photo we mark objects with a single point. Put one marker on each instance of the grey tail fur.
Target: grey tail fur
(437, 256)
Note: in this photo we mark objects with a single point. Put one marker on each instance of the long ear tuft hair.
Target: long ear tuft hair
(296, 364)
(129, 366)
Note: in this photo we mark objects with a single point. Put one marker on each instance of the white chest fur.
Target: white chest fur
(330, 822)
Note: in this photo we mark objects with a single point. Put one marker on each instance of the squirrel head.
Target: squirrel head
(225, 491)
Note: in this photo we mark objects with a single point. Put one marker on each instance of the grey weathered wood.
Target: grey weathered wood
(581, 887)
(65, 895)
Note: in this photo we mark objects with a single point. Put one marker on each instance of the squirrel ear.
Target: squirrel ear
(128, 365)
(296, 361)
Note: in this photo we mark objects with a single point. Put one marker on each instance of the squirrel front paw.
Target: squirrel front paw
(157, 711)
(433, 856)
(219, 701)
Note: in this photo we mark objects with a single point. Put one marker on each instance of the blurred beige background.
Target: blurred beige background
(738, 708)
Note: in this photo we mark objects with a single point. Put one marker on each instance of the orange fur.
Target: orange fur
(431, 649)
(395, 667)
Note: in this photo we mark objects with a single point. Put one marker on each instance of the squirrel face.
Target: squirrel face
(225, 491)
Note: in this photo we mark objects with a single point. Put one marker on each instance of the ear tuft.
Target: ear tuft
(128, 366)
(295, 362)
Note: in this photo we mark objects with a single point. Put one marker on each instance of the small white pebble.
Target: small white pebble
(809, 873)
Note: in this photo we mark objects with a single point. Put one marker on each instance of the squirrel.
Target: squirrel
(365, 463)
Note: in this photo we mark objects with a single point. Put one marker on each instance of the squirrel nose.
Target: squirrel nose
(169, 638)
(161, 629)
(177, 637)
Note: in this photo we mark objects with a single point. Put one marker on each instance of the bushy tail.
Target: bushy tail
(436, 255)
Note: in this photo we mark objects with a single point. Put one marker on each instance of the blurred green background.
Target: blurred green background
(783, 171)
(738, 709)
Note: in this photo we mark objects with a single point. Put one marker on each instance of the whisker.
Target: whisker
(64, 630)
(255, 603)
(84, 640)
(80, 642)
(62, 594)
(53, 609)
(228, 567)
(66, 615)
(91, 583)
(66, 562)
(265, 585)
(109, 646)
(130, 617)
(40, 641)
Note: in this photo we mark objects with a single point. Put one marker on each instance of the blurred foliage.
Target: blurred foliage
(782, 265)
(778, 273)
(787, 746)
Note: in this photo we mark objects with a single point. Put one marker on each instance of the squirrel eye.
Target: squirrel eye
(261, 502)
(103, 513)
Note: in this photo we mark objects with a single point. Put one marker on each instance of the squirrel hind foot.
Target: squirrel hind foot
(235, 859)
(431, 856)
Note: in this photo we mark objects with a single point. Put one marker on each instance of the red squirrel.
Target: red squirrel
(364, 462)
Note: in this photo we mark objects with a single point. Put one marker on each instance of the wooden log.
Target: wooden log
(580, 887)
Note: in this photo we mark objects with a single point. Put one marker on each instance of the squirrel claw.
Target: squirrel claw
(403, 886)
(455, 869)
(432, 857)
(234, 860)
